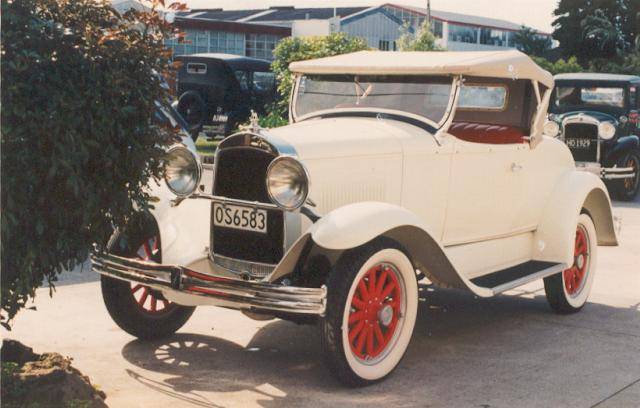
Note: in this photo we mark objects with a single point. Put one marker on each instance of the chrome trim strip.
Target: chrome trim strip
(529, 278)
(233, 293)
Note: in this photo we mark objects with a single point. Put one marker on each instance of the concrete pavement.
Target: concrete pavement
(509, 351)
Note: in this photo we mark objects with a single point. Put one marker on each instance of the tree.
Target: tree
(79, 87)
(569, 30)
(559, 67)
(604, 35)
(422, 40)
(291, 49)
(530, 42)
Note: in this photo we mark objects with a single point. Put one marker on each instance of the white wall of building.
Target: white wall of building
(374, 28)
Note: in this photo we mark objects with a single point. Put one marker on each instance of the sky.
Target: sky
(533, 13)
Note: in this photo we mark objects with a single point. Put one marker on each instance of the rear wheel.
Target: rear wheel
(140, 310)
(371, 312)
(567, 292)
(627, 189)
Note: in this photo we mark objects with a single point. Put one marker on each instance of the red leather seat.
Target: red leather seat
(486, 133)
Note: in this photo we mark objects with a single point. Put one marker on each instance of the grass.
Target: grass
(206, 147)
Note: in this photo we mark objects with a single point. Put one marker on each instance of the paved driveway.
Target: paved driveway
(509, 351)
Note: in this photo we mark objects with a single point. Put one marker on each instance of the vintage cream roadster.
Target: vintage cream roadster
(395, 167)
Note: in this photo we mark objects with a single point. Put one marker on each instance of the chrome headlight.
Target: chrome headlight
(181, 171)
(287, 183)
(606, 130)
(551, 128)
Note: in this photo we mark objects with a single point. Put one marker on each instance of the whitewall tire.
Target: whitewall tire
(371, 312)
(567, 292)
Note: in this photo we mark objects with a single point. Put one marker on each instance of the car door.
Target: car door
(486, 191)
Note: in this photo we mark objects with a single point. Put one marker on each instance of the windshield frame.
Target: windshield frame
(553, 108)
(430, 124)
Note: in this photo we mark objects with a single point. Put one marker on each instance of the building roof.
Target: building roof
(287, 14)
(272, 14)
(493, 64)
(291, 13)
(466, 19)
(232, 26)
(590, 76)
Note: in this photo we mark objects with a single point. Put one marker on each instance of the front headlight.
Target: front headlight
(287, 183)
(606, 130)
(551, 128)
(182, 171)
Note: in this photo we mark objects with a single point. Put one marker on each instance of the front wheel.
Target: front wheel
(567, 292)
(627, 189)
(371, 312)
(139, 310)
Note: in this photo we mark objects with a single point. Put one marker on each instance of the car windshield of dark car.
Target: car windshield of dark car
(588, 97)
(424, 96)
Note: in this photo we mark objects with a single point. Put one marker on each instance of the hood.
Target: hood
(340, 137)
(600, 116)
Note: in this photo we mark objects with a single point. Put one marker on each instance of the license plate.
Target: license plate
(220, 118)
(579, 143)
(238, 217)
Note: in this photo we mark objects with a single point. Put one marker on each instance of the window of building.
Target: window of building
(436, 27)
(226, 42)
(491, 36)
(465, 34)
(261, 45)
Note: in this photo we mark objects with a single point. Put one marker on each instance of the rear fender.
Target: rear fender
(576, 192)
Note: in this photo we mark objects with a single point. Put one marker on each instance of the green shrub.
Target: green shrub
(78, 147)
(559, 67)
(422, 40)
(290, 49)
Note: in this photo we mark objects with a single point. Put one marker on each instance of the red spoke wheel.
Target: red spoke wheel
(372, 303)
(138, 309)
(148, 300)
(375, 311)
(574, 276)
(567, 292)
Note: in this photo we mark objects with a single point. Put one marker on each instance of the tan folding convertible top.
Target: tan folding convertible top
(494, 64)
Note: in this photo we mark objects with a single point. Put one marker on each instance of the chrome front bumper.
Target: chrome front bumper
(607, 173)
(233, 293)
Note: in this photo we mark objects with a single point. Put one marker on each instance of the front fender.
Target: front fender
(356, 224)
(623, 145)
(576, 192)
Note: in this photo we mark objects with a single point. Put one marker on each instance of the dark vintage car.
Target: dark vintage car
(218, 91)
(597, 117)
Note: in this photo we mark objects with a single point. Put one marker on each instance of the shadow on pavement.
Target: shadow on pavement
(460, 343)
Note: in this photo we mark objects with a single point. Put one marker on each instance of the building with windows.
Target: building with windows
(255, 32)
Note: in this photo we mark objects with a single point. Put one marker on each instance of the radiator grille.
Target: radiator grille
(582, 140)
(240, 174)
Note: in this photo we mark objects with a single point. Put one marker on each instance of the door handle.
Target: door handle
(515, 167)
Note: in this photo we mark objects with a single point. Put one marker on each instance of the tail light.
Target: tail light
(633, 116)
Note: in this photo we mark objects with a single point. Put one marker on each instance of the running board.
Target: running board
(518, 275)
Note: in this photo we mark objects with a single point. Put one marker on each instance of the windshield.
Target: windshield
(424, 96)
(588, 97)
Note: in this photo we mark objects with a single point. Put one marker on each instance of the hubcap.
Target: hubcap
(149, 301)
(575, 276)
(375, 312)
